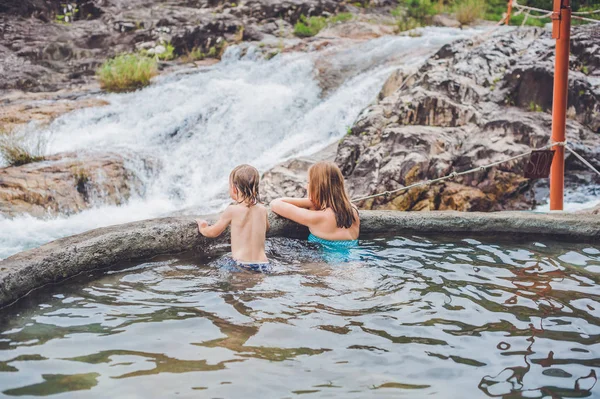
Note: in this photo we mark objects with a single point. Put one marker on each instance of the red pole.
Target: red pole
(561, 31)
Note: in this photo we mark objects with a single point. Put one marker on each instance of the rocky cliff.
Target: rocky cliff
(46, 45)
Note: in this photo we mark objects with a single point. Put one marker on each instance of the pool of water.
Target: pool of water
(401, 316)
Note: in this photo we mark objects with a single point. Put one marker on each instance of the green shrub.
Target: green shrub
(341, 17)
(518, 21)
(168, 54)
(307, 27)
(413, 13)
(496, 8)
(420, 10)
(405, 24)
(127, 72)
(469, 11)
(19, 148)
(591, 7)
(397, 12)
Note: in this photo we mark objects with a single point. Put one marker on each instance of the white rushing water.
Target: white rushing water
(197, 126)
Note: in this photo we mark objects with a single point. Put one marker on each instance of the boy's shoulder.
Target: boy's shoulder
(241, 208)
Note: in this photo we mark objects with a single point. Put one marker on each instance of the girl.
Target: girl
(327, 212)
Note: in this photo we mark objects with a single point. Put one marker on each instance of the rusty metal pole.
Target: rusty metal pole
(561, 31)
(508, 12)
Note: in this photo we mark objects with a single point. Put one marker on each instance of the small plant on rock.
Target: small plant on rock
(168, 54)
(239, 35)
(81, 177)
(585, 69)
(20, 148)
(195, 55)
(469, 11)
(308, 27)
(406, 24)
(127, 72)
(533, 107)
(341, 17)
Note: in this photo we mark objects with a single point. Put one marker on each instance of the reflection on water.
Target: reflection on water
(406, 316)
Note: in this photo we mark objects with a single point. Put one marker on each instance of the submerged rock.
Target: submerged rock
(66, 184)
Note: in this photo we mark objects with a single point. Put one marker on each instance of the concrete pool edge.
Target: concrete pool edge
(101, 248)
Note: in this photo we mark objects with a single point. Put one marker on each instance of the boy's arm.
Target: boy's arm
(216, 229)
(300, 215)
(305, 203)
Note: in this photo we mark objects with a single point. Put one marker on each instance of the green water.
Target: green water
(402, 317)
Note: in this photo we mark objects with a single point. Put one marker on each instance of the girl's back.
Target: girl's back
(327, 228)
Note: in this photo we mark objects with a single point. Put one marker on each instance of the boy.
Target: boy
(248, 218)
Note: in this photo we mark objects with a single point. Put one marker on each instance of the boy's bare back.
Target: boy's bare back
(249, 225)
(248, 218)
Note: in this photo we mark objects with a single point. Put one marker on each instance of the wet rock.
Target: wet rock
(125, 26)
(446, 20)
(66, 184)
(586, 48)
(357, 30)
(41, 109)
(392, 84)
(252, 33)
(211, 34)
(450, 116)
(289, 178)
(290, 10)
(593, 211)
(60, 48)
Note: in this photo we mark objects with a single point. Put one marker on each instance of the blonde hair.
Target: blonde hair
(326, 190)
(245, 179)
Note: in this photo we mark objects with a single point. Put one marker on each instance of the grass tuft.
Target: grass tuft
(307, 27)
(19, 148)
(127, 72)
(469, 11)
(533, 107)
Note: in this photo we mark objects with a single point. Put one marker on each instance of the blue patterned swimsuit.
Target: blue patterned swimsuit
(330, 244)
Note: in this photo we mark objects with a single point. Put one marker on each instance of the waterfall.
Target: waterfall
(198, 124)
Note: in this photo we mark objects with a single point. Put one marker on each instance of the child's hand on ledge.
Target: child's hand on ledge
(202, 224)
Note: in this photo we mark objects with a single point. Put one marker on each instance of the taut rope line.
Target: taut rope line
(454, 175)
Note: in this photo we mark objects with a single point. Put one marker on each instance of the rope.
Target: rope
(454, 175)
(525, 19)
(585, 19)
(585, 12)
(548, 14)
(586, 163)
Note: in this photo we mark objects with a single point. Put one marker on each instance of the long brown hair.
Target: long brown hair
(326, 190)
(245, 179)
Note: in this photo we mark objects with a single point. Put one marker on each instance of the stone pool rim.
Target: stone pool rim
(104, 247)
